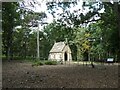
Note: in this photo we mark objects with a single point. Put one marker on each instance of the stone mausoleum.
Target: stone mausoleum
(60, 52)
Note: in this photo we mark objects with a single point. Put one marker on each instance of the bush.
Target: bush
(38, 63)
(51, 62)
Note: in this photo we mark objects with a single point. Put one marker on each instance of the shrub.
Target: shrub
(51, 62)
(38, 63)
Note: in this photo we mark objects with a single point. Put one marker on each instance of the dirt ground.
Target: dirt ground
(17, 74)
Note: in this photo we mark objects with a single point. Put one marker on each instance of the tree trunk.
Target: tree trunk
(8, 53)
(119, 31)
(9, 47)
(117, 11)
(25, 51)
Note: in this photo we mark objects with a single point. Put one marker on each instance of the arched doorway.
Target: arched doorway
(65, 56)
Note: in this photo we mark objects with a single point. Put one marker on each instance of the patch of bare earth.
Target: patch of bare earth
(18, 74)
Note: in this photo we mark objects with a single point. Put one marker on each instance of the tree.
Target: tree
(110, 27)
(10, 19)
(74, 20)
(16, 41)
(56, 32)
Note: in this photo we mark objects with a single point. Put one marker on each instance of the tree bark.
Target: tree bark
(117, 11)
(9, 44)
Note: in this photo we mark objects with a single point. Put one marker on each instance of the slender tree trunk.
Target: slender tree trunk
(99, 56)
(119, 31)
(117, 11)
(38, 51)
(8, 53)
(9, 46)
(25, 50)
(11, 53)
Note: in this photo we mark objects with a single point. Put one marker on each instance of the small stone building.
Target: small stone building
(60, 52)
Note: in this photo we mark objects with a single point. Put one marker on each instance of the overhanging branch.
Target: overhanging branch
(91, 21)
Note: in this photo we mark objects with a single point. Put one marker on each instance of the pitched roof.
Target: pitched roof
(58, 47)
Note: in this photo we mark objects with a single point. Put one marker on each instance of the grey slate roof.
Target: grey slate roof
(58, 47)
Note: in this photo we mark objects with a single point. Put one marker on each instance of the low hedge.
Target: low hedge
(38, 63)
(51, 63)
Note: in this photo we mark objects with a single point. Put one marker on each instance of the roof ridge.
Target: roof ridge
(58, 47)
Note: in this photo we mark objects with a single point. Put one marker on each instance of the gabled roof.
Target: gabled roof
(58, 47)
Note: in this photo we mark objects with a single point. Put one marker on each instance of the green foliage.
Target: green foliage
(22, 42)
(37, 63)
(110, 29)
(19, 42)
(10, 19)
(51, 63)
(81, 41)
(56, 32)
